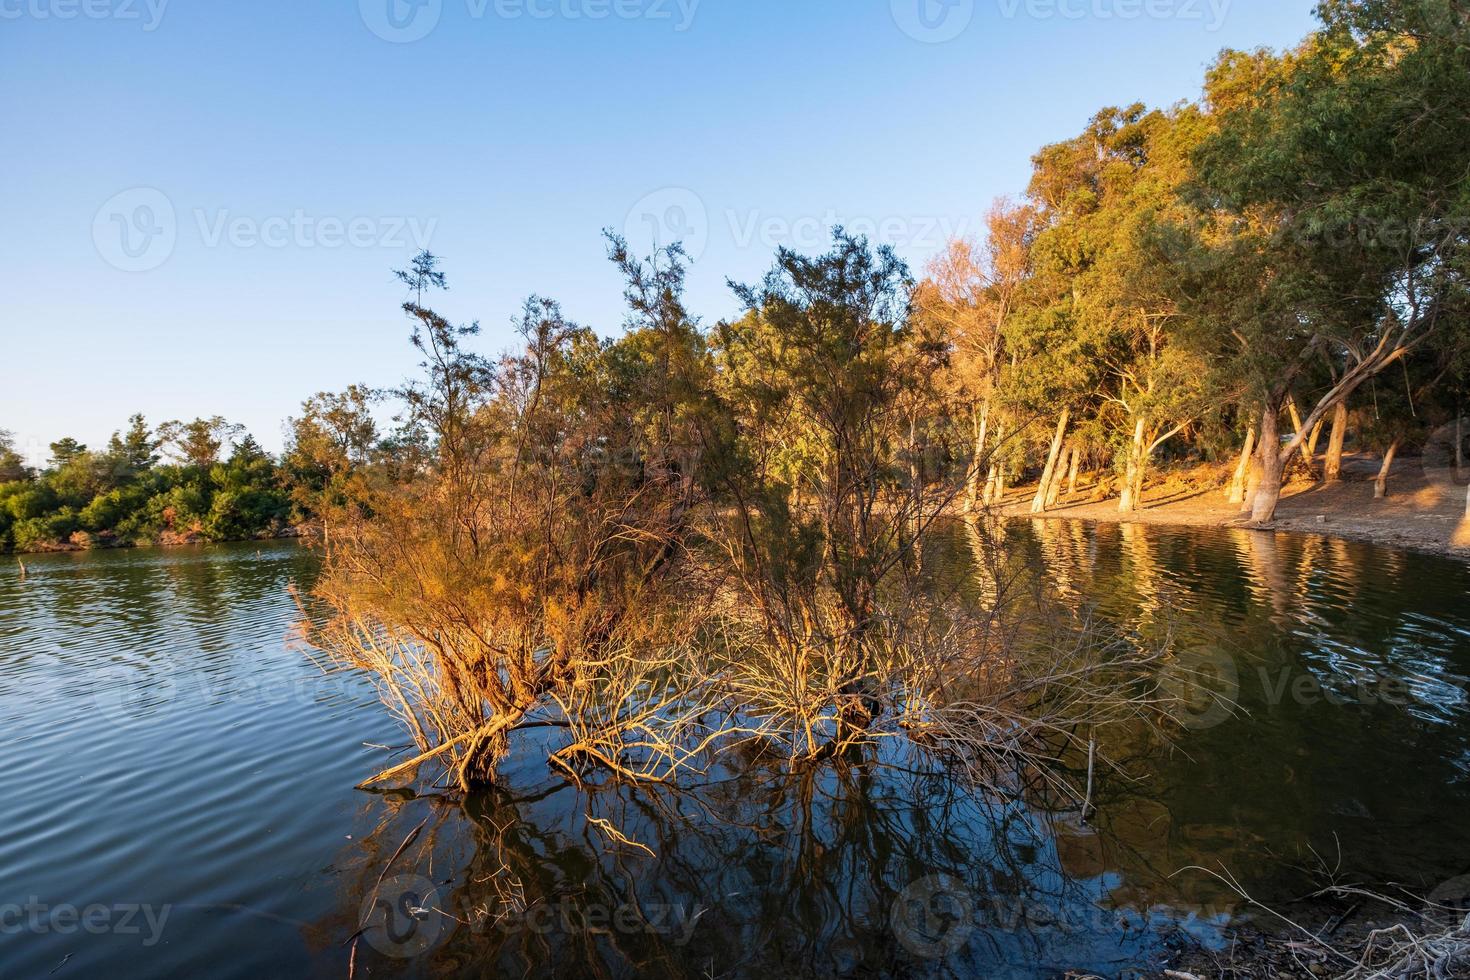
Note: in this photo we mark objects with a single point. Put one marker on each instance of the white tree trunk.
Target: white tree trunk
(1131, 476)
(972, 497)
(1296, 424)
(1380, 486)
(1038, 503)
(1332, 471)
(1270, 467)
(1076, 465)
(1459, 446)
(1236, 494)
(1054, 493)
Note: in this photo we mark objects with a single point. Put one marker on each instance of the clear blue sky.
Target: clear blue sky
(305, 148)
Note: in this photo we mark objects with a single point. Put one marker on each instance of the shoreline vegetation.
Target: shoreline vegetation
(1422, 510)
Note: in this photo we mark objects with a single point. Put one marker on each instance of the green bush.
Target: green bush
(37, 533)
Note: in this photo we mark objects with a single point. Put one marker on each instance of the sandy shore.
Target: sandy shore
(1422, 512)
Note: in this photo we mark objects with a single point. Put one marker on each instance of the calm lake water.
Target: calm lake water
(181, 793)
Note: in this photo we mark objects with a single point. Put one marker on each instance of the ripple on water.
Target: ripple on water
(166, 740)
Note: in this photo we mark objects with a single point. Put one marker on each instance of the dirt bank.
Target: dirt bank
(1422, 512)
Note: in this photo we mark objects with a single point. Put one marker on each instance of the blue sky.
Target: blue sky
(203, 201)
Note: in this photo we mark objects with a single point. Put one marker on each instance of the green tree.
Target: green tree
(12, 464)
(134, 451)
(199, 443)
(1335, 199)
(64, 451)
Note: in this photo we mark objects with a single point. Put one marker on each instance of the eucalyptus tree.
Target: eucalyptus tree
(1095, 334)
(1336, 208)
(967, 294)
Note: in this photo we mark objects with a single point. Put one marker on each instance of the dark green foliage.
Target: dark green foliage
(123, 496)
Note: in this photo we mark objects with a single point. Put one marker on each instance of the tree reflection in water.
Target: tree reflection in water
(879, 867)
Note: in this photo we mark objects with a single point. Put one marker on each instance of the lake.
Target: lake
(182, 795)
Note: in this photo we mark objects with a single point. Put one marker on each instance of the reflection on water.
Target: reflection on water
(170, 745)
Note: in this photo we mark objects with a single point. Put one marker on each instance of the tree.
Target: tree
(12, 464)
(198, 443)
(334, 436)
(962, 304)
(826, 351)
(1335, 216)
(65, 451)
(135, 451)
(521, 566)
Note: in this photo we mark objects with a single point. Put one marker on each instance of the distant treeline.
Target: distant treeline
(181, 482)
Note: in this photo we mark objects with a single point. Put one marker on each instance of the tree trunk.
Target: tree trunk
(1459, 446)
(1076, 465)
(1296, 424)
(1380, 486)
(1140, 477)
(1038, 503)
(1315, 438)
(1236, 494)
(1333, 470)
(1129, 500)
(1055, 492)
(1270, 465)
(972, 497)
